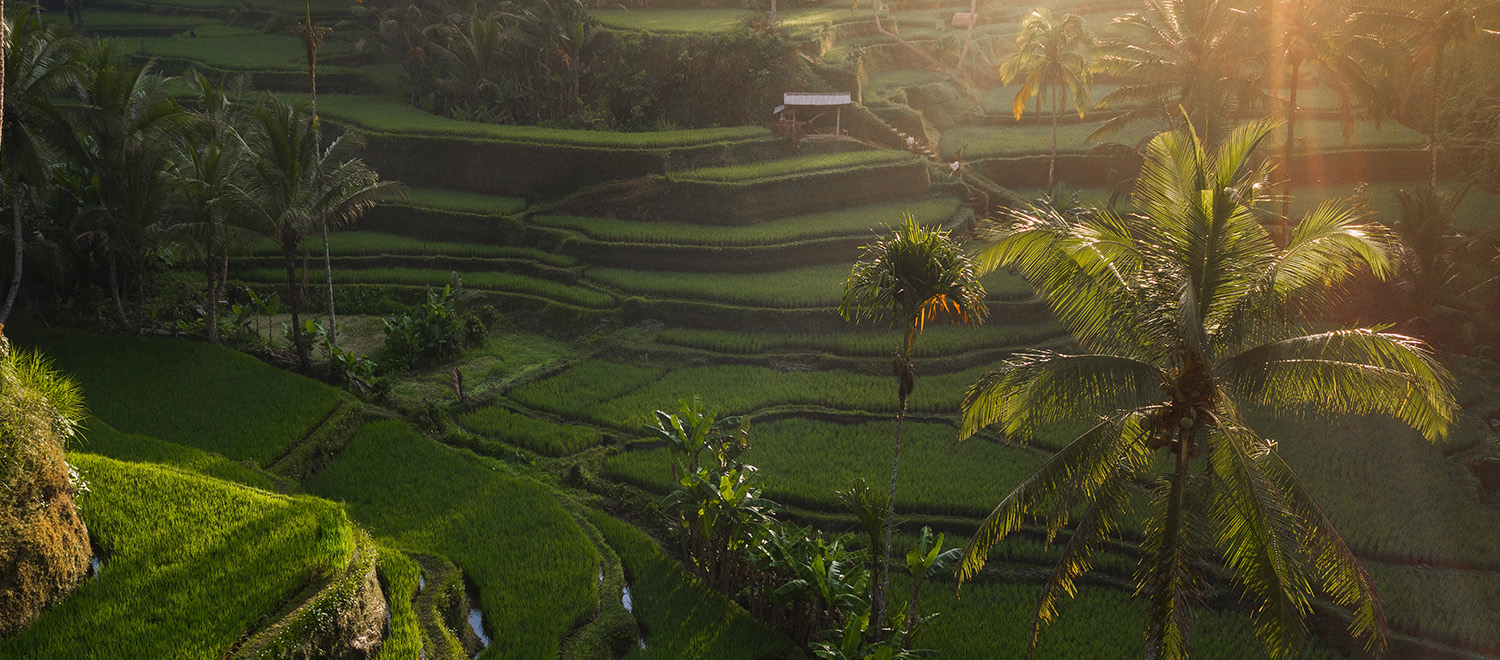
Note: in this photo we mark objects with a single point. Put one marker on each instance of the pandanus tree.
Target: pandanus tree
(1176, 59)
(1053, 55)
(1424, 32)
(295, 189)
(913, 276)
(38, 65)
(1188, 313)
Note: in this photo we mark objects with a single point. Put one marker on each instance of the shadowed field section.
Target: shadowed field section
(534, 568)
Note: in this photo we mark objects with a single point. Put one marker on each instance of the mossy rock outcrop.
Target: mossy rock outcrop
(44, 545)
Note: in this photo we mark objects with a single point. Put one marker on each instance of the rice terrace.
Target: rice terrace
(750, 329)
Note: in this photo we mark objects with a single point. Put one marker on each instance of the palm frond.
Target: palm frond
(1259, 535)
(1099, 521)
(1037, 388)
(1115, 446)
(1337, 572)
(1348, 371)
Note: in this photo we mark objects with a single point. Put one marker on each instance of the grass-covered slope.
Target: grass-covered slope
(189, 393)
(190, 563)
(98, 437)
(535, 570)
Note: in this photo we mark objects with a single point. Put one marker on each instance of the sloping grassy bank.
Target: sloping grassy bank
(189, 393)
(535, 570)
(189, 563)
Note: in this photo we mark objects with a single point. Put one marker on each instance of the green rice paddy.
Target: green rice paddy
(189, 563)
(939, 474)
(529, 432)
(935, 341)
(534, 568)
(799, 166)
(484, 281)
(190, 393)
(462, 202)
(797, 22)
(389, 115)
(367, 243)
(98, 437)
(863, 220)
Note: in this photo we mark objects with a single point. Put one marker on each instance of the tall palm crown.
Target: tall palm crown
(296, 190)
(1052, 55)
(1189, 312)
(37, 67)
(124, 130)
(1311, 34)
(1193, 58)
(912, 276)
(1424, 32)
(915, 275)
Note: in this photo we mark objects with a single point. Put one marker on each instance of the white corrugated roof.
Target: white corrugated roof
(817, 98)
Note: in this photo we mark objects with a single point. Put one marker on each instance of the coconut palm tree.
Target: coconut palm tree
(38, 70)
(211, 164)
(124, 130)
(1193, 59)
(1425, 32)
(1053, 55)
(1187, 313)
(913, 276)
(1309, 34)
(295, 189)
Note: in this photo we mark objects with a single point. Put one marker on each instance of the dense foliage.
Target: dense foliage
(1190, 313)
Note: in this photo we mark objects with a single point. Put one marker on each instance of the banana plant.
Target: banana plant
(924, 560)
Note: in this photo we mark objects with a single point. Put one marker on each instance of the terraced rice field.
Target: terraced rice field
(820, 402)
(534, 568)
(189, 562)
(193, 394)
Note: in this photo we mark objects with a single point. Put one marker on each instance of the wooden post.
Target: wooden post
(838, 116)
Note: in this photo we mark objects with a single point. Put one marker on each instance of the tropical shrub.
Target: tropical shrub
(427, 333)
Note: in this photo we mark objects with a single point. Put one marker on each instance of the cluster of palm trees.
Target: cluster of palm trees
(488, 60)
(1212, 64)
(107, 171)
(1191, 317)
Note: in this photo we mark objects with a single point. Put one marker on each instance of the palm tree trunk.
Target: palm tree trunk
(1052, 164)
(312, 78)
(1286, 157)
(911, 612)
(890, 519)
(15, 279)
(328, 275)
(289, 250)
(211, 299)
(16, 283)
(114, 290)
(1437, 88)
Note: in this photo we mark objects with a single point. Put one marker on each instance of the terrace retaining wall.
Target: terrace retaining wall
(536, 171)
(744, 203)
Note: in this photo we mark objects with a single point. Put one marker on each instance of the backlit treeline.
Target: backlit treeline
(111, 178)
